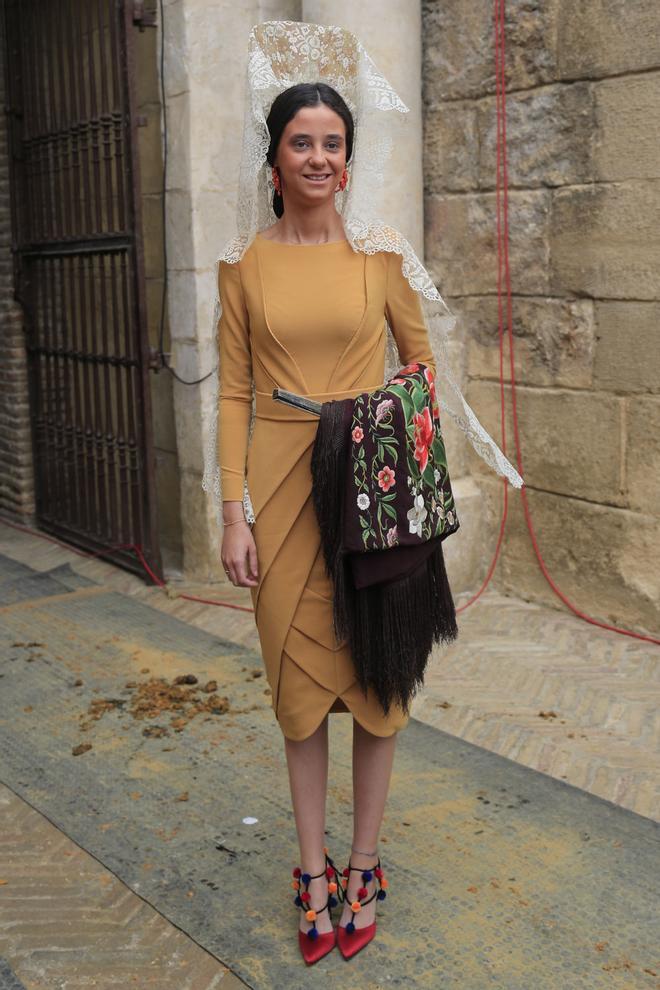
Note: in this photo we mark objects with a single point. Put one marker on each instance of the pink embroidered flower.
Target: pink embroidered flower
(434, 402)
(357, 434)
(386, 478)
(382, 408)
(398, 381)
(409, 368)
(392, 537)
(423, 437)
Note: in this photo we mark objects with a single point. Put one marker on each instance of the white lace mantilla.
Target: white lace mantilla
(281, 54)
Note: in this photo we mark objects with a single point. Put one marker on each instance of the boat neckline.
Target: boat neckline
(291, 244)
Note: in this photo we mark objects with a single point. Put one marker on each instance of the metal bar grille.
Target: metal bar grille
(80, 270)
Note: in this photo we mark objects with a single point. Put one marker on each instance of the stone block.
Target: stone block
(168, 500)
(604, 240)
(603, 558)
(190, 362)
(178, 141)
(571, 441)
(464, 550)
(147, 66)
(606, 38)
(457, 36)
(455, 441)
(162, 410)
(152, 226)
(627, 131)
(451, 150)
(153, 288)
(553, 340)
(180, 232)
(175, 49)
(461, 242)
(627, 354)
(200, 532)
(548, 136)
(182, 305)
(643, 454)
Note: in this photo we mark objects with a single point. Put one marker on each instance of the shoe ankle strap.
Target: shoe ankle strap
(365, 869)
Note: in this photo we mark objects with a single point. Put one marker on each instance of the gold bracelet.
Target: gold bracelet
(232, 522)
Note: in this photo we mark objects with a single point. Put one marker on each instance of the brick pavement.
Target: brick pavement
(529, 683)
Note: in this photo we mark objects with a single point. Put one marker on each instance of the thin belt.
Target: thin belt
(266, 407)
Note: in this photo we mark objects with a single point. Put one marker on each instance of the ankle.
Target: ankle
(363, 860)
(313, 869)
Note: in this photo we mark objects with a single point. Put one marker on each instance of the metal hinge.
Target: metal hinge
(143, 18)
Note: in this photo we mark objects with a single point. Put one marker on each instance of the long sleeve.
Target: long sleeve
(404, 314)
(235, 401)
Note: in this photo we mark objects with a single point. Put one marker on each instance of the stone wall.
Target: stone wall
(150, 154)
(583, 135)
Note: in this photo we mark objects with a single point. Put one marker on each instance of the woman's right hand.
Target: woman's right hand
(239, 555)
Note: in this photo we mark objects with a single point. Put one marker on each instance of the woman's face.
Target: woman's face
(311, 155)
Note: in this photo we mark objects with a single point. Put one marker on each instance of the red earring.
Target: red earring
(343, 181)
(276, 180)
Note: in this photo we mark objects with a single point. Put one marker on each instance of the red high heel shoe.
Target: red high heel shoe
(349, 938)
(314, 944)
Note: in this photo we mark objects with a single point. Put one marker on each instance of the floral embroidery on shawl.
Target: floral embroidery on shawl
(402, 487)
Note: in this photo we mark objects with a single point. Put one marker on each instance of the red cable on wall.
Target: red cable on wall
(503, 253)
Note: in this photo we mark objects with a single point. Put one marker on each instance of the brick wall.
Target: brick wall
(583, 133)
(16, 480)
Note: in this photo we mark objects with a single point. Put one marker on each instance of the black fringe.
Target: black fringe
(390, 626)
(328, 468)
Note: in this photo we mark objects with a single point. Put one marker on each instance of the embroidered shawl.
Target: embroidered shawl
(384, 504)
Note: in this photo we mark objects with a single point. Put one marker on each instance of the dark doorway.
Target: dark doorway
(79, 271)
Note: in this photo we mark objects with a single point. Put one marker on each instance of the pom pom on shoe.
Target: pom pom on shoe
(356, 906)
(345, 872)
(332, 901)
(350, 928)
(378, 872)
(367, 876)
(382, 894)
(305, 896)
(362, 892)
(297, 901)
(384, 884)
(306, 878)
(297, 872)
(332, 887)
(310, 915)
(329, 872)
(312, 933)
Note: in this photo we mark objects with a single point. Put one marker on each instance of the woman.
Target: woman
(301, 282)
(304, 307)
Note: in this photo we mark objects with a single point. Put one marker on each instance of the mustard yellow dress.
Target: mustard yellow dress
(310, 319)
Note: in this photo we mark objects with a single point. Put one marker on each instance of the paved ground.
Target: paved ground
(531, 684)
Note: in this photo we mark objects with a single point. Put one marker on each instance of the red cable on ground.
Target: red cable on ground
(137, 550)
(503, 249)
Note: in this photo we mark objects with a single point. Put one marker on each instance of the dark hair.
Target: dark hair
(287, 104)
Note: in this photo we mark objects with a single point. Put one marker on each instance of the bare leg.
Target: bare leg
(373, 757)
(308, 778)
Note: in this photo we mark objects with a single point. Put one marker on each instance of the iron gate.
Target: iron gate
(79, 270)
